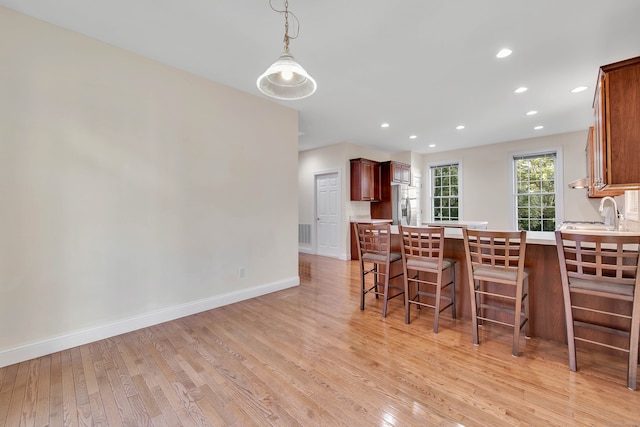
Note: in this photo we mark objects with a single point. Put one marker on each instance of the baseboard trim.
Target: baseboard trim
(72, 339)
(342, 257)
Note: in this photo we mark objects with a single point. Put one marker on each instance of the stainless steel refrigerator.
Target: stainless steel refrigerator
(404, 205)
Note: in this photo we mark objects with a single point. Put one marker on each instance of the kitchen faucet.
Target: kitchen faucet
(606, 215)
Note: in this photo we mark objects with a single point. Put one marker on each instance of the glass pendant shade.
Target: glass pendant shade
(286, 80)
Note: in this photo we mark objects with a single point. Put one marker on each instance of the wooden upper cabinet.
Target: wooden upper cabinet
(617, 126)
(365, 180)
(594, 168)
(400, 173)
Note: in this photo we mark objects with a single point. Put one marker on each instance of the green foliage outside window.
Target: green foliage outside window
(535, 192)
(445, 192)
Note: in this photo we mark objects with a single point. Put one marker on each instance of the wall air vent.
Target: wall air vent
(304, 234)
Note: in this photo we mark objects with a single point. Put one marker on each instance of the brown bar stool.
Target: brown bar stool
(497, 257)
(376, 259)
(425, 267)
(600, 288)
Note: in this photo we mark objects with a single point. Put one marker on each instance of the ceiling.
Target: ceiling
(423, 66)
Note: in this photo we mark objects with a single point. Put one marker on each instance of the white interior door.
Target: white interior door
(327, 214)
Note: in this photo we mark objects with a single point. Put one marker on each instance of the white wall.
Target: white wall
(485, 178)
(131, 192)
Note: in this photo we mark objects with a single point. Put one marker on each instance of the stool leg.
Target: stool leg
(474, 311)
(362, 283)
(517, 320)
(376, 278)
(453, 291)
(386, 297)
(527, 326)
(478, 296)
(407, 298)
(633, 341)
(386, 289)
(571, 342)
(437, 305)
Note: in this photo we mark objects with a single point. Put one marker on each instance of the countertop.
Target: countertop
(368, 220)
(453, 229)
(533, 237)
(457, 224)
(597, 229)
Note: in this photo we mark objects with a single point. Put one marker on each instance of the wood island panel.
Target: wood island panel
(545, 288)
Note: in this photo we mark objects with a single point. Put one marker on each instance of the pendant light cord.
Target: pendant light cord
(286, 23)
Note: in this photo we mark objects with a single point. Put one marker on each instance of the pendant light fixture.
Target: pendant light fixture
(285, 79)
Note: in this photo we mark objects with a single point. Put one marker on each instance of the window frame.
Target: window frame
(429, 187)
(558, 182)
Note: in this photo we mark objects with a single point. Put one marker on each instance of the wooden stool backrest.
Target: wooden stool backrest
(374, 238)
(423, 242)
(602, 258)
(497, 249)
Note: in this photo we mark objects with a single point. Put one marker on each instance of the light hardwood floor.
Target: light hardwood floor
(308, 356)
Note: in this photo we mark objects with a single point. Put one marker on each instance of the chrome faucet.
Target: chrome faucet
(607, 218)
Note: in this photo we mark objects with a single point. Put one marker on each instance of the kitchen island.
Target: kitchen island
(546, 302)
(545, 284)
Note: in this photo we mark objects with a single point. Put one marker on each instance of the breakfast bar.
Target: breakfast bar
(546, 318)
(545, 285)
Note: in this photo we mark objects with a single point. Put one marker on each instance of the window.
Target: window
(536, 191)
(445, 200)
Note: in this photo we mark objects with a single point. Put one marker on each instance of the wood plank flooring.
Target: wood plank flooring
(308, 356)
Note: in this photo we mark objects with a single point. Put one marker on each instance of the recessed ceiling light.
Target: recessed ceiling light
(504, 53)
(384, 125)
(432, 145)
(579, 89)
(538, 127)
(532, 113)
(413, 137)
(460, 127)
(521, 89)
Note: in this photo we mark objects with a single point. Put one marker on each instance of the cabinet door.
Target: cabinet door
(598, 153)
(592, 161)
(617, 126)
(396, 172)
(375, 186)
(365, 177)
(400, 173)
(406, 174)
(622, 113)
(366, 181)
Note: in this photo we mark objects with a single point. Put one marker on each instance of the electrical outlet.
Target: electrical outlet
(242, 272)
